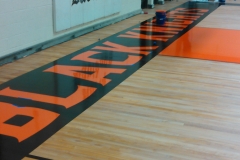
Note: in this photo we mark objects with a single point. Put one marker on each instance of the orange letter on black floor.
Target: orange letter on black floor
(81, 94)
(97, 74)
(40, 119)
(85, 56)
(135, 35)
(120, 48)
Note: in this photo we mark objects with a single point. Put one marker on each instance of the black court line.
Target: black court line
(37, 158)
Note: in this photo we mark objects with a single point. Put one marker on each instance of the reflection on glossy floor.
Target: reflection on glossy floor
(207, 43)
(217, 38)
(172, 108)
(223, 18)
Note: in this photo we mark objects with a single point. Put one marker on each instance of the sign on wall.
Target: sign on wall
(70, 13)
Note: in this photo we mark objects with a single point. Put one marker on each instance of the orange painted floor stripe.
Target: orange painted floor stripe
(207, 43)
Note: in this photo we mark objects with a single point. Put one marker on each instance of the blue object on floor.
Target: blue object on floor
(160, 17)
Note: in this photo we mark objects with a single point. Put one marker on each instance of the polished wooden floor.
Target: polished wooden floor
(171, 109)
(215, 38)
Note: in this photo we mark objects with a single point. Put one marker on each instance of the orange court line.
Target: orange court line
(207, 43)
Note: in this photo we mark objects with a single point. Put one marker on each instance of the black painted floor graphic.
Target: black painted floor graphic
(37, 158)
(36, 105)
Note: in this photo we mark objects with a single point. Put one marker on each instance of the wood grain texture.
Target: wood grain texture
(173, 108)
(26, 158)
(170, 109)
(224, 17)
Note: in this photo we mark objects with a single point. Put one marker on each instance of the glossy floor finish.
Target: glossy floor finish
(217, 38)
(223, 18)
(168, 109)
(207, 43)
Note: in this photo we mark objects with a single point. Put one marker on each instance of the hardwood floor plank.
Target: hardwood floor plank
(171, 109)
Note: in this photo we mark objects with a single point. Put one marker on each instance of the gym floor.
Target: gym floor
(158, 92)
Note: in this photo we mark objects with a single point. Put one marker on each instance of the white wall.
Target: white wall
(67, 15)
(24, 23)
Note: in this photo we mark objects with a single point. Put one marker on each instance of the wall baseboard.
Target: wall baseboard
(44, 45)
(151, 6)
